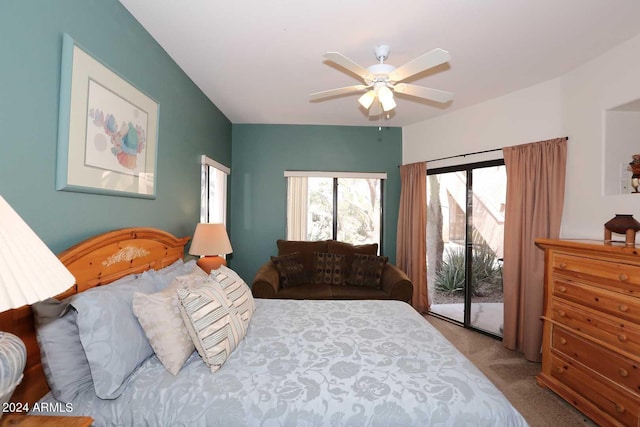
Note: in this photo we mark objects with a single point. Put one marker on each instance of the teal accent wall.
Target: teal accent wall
(189, 124)
(261, 154)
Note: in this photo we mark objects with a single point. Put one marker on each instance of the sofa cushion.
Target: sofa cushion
(329, 268)
(349, 250)
(291, 271)
(366, 270)
(305, 249)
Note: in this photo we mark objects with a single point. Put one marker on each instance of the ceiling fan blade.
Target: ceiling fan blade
(423, 92)
(375, 109)
(421, 63)
(338, 91)
(345, 62)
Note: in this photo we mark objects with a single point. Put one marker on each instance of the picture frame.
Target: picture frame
(107, 132)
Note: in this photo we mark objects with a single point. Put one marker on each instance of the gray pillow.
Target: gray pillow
(64, 362)
(164, 277)
(113, 341)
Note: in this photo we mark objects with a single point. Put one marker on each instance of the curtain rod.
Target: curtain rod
(470, 154)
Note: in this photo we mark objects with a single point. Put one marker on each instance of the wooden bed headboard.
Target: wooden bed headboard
(96, 261)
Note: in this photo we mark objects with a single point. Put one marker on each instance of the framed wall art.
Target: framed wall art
(107, 132)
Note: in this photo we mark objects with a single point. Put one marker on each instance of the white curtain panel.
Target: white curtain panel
(297, 203)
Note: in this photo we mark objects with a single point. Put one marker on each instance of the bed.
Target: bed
(315, 363)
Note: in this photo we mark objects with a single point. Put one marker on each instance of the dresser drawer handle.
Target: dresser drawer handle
(562, 265)
(623, 372)
(623, 308)
(561, 313)
(622, 338)
(560, 370)
(619, 408)
(623, 277)
(562, 289)
(563, 341)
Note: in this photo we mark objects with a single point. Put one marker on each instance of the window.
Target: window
(345, 206)
(213, 193)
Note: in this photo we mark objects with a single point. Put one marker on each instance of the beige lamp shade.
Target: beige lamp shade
(29, 271)
(210, 241)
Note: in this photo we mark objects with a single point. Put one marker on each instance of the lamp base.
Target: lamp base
(208, 263)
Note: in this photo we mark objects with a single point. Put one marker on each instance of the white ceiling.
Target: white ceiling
(258, 60)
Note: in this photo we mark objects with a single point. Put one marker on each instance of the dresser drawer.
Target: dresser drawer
(617, 368)
(615, 276)
(618, 333)
(620, 405)
(603, 300)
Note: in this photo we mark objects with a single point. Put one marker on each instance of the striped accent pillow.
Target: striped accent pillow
(237, 291)
(213, 323)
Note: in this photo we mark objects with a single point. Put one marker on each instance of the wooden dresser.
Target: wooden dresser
(591, 340)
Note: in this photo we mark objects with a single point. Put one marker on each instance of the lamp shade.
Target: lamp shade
(210, 239)
(29, 271)
(367, 99)
(386, 98)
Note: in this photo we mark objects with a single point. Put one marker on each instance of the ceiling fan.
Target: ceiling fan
(383, 79)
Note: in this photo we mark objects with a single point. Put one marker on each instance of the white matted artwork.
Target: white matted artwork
(107, 139)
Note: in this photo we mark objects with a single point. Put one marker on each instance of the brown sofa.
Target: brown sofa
(393, 283)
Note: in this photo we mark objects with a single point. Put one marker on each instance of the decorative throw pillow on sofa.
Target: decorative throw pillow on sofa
(290, 269)
(349, 251)
(366, 270)
(329, 268)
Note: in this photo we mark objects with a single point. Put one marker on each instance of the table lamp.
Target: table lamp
(210, 241)
(29, 272)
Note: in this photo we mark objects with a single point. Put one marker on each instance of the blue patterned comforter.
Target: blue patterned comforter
(316, 363)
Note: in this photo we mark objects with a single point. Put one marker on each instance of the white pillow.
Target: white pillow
(162, 323)
(214, 325)
(237, 291)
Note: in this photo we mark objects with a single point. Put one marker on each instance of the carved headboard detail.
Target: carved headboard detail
(96, 261)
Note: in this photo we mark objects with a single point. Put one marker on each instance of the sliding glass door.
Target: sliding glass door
(465, 224)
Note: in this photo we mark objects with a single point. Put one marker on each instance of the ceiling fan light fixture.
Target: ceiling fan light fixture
(381, 80)
(386, 98)
(367, 99)
(388, 104)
